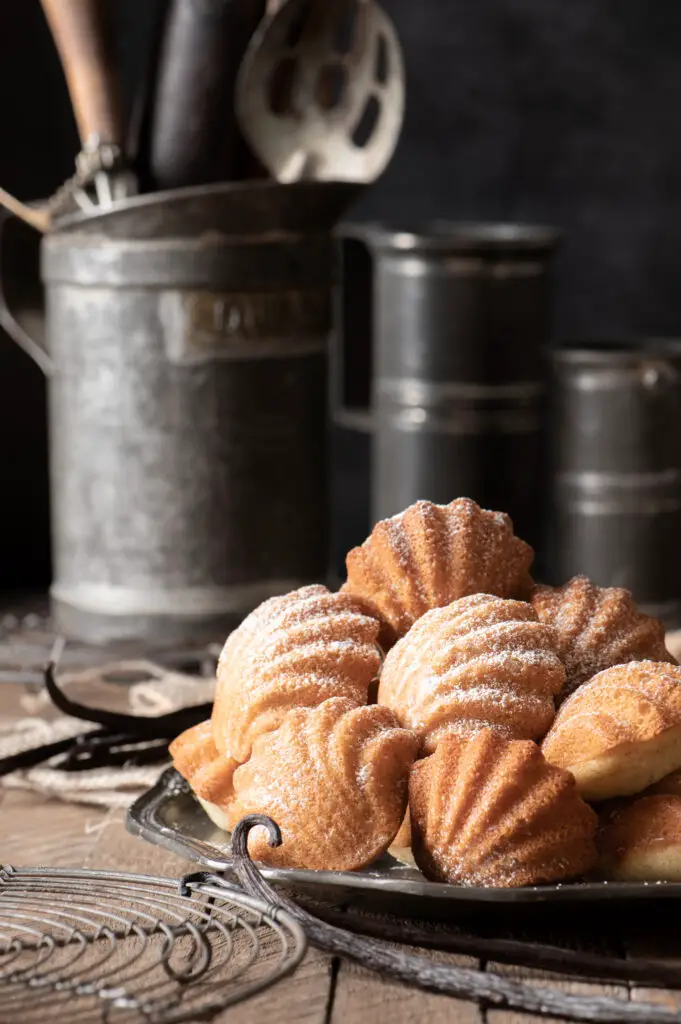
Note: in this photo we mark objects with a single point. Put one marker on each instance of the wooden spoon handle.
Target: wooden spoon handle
(83, 37)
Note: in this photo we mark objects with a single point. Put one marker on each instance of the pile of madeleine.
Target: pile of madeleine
(444, 708)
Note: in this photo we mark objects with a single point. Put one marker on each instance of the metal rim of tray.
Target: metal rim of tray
(145, 818)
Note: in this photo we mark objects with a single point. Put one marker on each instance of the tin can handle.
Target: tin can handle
(9, 323)
(352, 341)
(659, 369)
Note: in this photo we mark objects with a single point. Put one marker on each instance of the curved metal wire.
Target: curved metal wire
(88, 946)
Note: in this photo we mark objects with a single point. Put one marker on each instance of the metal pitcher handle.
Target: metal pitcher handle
(352, 338)
(11, 325)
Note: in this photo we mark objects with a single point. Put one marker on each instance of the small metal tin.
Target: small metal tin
(616, 487)
(439, 359)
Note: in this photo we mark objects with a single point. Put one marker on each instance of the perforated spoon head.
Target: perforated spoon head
(321, 90)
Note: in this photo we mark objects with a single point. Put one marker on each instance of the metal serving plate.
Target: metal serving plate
(168, 815)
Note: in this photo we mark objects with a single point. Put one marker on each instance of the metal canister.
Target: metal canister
(187, 414)
(616, 440)
(351, 421)
(461, 317)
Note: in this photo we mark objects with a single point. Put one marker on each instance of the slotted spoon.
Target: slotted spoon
(320, 92)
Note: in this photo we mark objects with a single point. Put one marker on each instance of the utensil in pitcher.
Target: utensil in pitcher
(83, 38)
(320, 93)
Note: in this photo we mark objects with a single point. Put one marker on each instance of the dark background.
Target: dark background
(564, 113)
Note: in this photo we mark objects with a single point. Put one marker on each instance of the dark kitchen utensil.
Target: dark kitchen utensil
(351, 371)
(320, 92)
(194, 137)
(617, 469)
(172, 950)
(437, 361)
(140, 123)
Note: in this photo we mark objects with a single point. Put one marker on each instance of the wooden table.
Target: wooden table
(37, 832)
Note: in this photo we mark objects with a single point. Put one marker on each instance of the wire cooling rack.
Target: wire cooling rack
(89, 946)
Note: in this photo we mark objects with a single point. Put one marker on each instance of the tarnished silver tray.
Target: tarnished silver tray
(169, 816)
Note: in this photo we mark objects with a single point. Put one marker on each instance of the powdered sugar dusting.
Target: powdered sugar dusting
(334, 778)
(471, 662)
(597, 628)
(430, 555)
(293, 651)
(631, 703)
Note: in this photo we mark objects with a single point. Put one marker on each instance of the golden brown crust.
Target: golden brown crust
(627, 704)
(643, 840)
(480, 662)
(491, 812)
(334, 778)
(597, 628)
(197, 759)
(430, 555)
(292, 651)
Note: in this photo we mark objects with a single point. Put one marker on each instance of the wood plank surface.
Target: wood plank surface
(35, 832)
(547, 979)
(362, 997)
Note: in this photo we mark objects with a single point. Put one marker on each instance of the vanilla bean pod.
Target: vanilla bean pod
(122, 739)
(111, 751)
(523, 953)
(36, 755)
(157, 727)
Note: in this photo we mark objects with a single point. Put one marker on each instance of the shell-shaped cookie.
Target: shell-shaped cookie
(334, 778)
(487, 811)
(596, 628)
(292, 651)
(642, 842)
(620, 732)
(430, 555)
(208, 772)
(481, 661)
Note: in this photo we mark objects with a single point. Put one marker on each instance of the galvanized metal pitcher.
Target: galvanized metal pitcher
(186, 352)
